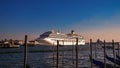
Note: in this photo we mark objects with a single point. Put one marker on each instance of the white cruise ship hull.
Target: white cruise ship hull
(53, 41)
(51, 37)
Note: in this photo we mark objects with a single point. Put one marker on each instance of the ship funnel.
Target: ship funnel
(72, 32)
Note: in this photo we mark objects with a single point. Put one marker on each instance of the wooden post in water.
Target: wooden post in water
(25, 52)
(73, 53)
(76, 52)
(104, 55)
(63, 54)
(57, 64)
(53, 54)
(118, 49)
(91, 52)
(95, 51)
(113, 51)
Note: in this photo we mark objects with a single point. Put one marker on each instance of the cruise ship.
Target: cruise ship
(51, 37)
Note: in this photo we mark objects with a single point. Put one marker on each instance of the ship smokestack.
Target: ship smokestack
(72, 32)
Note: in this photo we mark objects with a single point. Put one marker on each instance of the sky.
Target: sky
(91, 18)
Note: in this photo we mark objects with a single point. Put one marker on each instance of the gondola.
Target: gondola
(100, 64)
(118, 57)
(116, 61)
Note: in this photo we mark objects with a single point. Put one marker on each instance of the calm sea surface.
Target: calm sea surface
(43, 57)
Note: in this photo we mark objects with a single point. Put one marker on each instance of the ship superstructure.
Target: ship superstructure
(51, 37)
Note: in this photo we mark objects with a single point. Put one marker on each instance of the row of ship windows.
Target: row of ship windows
(66, 40)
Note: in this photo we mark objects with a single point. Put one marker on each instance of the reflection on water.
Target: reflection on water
(38, 59)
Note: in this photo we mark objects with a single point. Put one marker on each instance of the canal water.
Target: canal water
(44, 57)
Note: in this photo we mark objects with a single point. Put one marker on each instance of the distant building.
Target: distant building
(33, 42)
(9, 43)
(6, 42)
(20, 42)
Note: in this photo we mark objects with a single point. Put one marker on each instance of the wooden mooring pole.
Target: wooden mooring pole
(76, 52)
(104, 55)
(95, 50)
(91, 52)
(113, 51)
(63, 54)
(73, 54)
(57, 64)
(53, 54)
(118, 49)
(25, 52)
